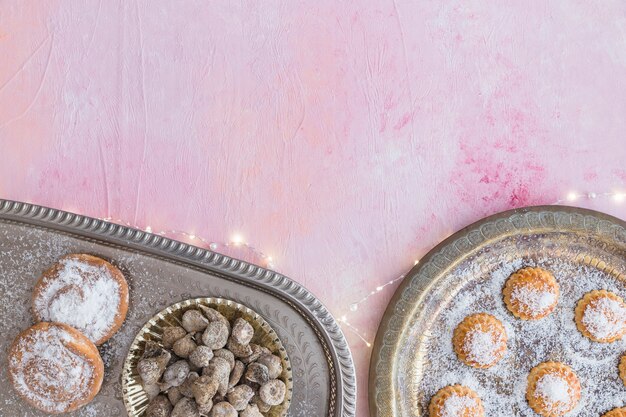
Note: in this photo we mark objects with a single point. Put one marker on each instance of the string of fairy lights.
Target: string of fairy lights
(237, 241)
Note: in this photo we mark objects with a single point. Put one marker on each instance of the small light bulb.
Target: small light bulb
(572, 196)
(592, 195)
(237, 240)
(192, 237)
(416, 262)
(368, 344)
(619, 197)
(343, 318)
(354, 307)
(379, 288)
(213, 246)
(148, 229)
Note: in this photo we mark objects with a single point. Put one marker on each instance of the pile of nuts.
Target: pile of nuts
(209, 367)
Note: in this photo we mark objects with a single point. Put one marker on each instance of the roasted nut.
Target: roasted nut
(175, 375)
(150, 370)
(251, 410)
(239, 350)
(153, 350)
(194, 321)
(183, 347)
(204, 389)
(201, 356)
(159, 407)
(240, 396)
(216, 335)
(274, 365)
(185, 387)
(226, 354)
(186, 407)
(223, 409)
(205, 408)
(273, 392)
(242, 331)
(262, 405)
(257, 351)
(220, 370)
(152, 390)
(174, 395)
(214, 315)
(172, 334)
(236, 374)
(257, 372)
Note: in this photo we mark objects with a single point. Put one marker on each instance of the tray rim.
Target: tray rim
(406, 299)
(334, 344)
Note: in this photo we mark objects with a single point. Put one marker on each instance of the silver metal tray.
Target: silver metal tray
(400, 359)
(161, 272)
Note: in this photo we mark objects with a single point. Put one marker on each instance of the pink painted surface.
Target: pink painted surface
(343, 138)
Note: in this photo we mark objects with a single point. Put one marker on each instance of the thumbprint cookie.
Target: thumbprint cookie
(531, 293)
(553, 389)
(480, 340)
(601, 316)
(456, 401)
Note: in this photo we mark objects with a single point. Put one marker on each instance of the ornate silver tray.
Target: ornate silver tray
(580, 239)
(161, 272)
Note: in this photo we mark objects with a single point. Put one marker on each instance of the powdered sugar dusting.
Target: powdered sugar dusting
(532, 300)
(84, 296)
(483, 347)
(502, 387)
(48, 372)
(555, 392)
(604, 318)
(458, 406)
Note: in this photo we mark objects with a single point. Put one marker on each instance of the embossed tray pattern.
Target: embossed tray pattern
(161, 272)
(398, 364)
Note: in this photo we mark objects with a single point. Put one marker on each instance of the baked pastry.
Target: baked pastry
(480, 340)
(553, 389)
(622, 368)
(85, 292)
(531, 293)
(601, 316)
(456, 401)
(55, 368)
(616, 412)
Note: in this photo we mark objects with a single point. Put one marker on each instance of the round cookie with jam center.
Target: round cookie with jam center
(456, 401)
(480, 340)
(531, 293)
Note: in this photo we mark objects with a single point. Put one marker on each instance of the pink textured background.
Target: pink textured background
(343, 138)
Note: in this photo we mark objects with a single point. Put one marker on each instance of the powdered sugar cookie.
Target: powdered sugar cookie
(616, 412)
(601, 316)
(531, 293)
(553, 389)
(55, 367)
(85, 292)
(456, 401)
(480, 340)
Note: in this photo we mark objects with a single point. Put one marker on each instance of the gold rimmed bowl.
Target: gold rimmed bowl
(135, 397)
